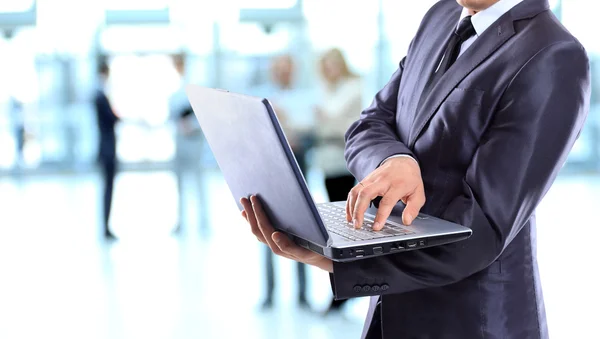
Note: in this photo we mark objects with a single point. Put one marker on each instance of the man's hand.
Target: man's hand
(396, 179)
(279, 243)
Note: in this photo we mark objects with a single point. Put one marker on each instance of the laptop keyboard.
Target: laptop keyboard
(334, 218)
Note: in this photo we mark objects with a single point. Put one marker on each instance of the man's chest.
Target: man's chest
(449, 119)
(445, 127)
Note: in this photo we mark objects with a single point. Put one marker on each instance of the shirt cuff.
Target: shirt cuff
(400, 156)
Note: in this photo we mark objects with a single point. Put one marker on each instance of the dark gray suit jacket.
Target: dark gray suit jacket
(490, 138)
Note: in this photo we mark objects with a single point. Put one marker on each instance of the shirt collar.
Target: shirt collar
(484, 19)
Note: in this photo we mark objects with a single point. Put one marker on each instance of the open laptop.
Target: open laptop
(250, 147)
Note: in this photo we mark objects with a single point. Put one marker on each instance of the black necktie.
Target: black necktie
(463, 32)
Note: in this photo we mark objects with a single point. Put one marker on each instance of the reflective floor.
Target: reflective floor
(58, 280)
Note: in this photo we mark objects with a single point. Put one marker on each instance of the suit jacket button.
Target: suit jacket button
(375, 288)
(385, 287)
(357, 289)
(366, 288)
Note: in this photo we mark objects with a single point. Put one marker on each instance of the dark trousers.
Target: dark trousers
(109, 170)
(300, 155)
(338, 188)
(374, 331)
(20, 136)
(301, 268)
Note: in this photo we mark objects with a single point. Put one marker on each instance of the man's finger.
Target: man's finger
(264, 225)
(353, 195)
(363, 201)
(348, 214)
(288, 247)
(414, 202)
(245, 216)
(351, 201)
(387, 203)
(251, 217)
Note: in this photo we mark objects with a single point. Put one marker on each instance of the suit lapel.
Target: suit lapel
(494, 37)
(430, 54)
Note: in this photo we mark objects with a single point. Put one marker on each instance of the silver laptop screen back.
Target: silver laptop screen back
(255, 158)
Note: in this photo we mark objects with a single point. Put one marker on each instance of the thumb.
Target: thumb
(414, 203)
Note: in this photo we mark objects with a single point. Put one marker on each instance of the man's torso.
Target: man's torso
(444, 133)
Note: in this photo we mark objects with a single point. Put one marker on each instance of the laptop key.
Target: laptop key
(335, 221)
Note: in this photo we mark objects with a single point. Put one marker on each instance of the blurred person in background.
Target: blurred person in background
(294, 111)
(16, 113)
(188, 139)
(340, 106)
(107, 155)
(19, 95)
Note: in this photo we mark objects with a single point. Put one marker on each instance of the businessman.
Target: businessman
(107, 153)
(473, 127)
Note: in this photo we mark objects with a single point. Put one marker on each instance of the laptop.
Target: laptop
(254, 156)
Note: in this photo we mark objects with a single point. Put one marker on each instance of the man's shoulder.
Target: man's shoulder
(545, 31)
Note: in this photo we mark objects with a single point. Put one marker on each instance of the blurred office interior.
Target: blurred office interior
(58, 275)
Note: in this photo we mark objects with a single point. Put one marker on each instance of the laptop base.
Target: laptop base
(352, 253)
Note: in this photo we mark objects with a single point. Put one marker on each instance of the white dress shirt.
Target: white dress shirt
(484, 19)
(340, 106)
(481, 21)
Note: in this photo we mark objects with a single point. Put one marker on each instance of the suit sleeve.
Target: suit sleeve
(537, 121)
(372, 139)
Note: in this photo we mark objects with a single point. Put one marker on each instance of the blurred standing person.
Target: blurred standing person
(188, 141)
(107, 155)
(294, 111)
(16, 112)
(340, 106)
(293, 108)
